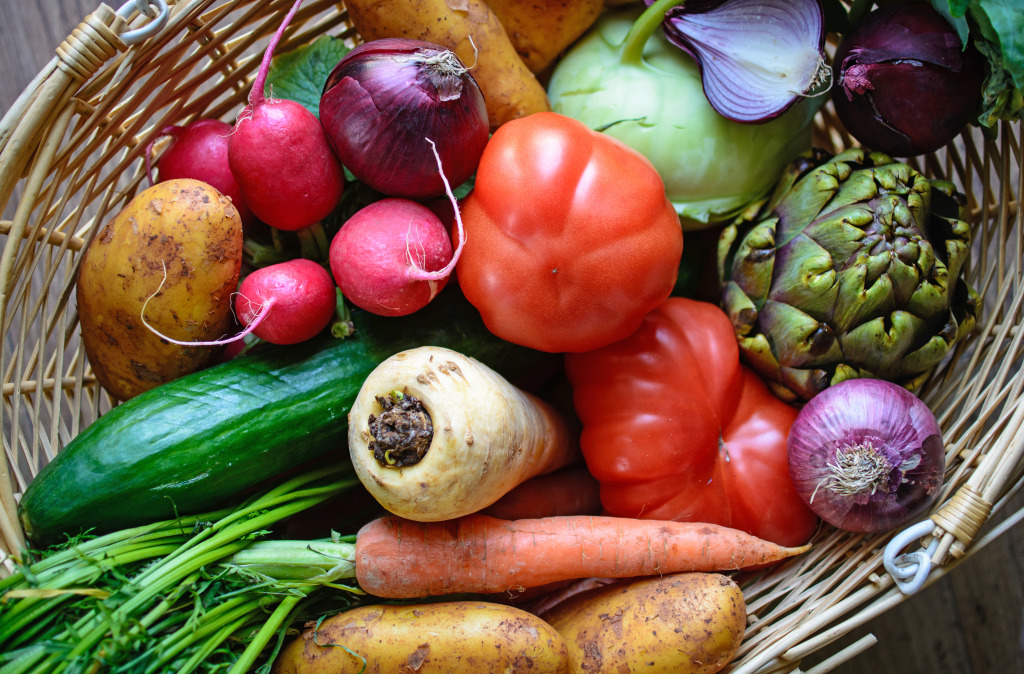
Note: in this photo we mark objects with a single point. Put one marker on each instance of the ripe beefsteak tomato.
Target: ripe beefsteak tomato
(570, 239)
(676, 428)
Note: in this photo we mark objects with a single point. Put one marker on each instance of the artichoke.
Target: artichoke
(850, 268)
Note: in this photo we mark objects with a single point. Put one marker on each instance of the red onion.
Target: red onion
(386, 97)
(756, 57)
(866, 455)
(904, 84)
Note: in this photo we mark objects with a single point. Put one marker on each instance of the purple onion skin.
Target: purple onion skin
(903, 85)
(378, 107)
(886, 422)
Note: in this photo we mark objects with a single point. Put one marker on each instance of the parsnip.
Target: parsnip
(455, 437)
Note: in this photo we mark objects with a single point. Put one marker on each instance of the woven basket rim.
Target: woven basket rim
(77, 110)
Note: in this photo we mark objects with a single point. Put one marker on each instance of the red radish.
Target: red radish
(284, 303)
(299, 298)
(392, 257)
(382, 257)
(199, 150)
(281, 156)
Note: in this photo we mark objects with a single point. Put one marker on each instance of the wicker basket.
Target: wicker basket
(72, 149)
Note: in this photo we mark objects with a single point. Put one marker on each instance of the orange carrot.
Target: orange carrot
(568, 491)
(397, 558)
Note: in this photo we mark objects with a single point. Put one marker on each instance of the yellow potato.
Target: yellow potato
(184, 230)
(458, 636)
(686, 623)
(474, 33)
(541, 29)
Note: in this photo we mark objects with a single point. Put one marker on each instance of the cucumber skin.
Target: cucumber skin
(188, 445)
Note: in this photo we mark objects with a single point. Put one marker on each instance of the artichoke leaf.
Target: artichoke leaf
(753, 261)
(898, 177)
(805, 276)
(957, 251)
(758, 355)
(865, 276)
(859, 187)
(741, 311)
(797, 338)
(859, 300)
(794, 171)
(947, 224)
(904, 279)
(844, 372)
(726, 242)
(879, 344)
(807, 200)
(928, 356)
(804, 383)
(966, 308)
(931, 298)
(842, 231)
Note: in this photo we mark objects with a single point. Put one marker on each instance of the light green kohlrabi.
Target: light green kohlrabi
(636, 86)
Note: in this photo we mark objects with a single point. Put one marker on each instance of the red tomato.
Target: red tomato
(570, 239)
(675, 428)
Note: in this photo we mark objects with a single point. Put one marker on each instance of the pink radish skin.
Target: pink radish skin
(297, 299)
(199, 150)
(387, 257)
(281, 157)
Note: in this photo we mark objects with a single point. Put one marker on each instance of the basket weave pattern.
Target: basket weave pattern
(72, 151)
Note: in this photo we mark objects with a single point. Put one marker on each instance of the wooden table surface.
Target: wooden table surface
(969, 622)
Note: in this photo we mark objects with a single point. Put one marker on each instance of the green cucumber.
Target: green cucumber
(188, 445)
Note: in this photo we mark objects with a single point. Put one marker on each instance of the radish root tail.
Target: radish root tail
(257, 319)
(443, 273)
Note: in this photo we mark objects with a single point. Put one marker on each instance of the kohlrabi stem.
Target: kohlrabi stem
(642, 29)
(256, 95)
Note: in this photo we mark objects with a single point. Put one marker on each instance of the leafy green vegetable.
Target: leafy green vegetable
(299, 75)
(997, 30)
(1006, 18)
(957, 21)
(204, 593)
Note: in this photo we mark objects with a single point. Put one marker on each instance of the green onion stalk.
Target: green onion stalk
(205, 593)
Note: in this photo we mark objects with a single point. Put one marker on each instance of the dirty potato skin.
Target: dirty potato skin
(685, 623)
(196, 232)
(457, 636)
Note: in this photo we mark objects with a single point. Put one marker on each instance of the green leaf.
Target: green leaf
(1007, 19)
(299, 75)
(956, 8)
(997, 27)
(957, 20)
